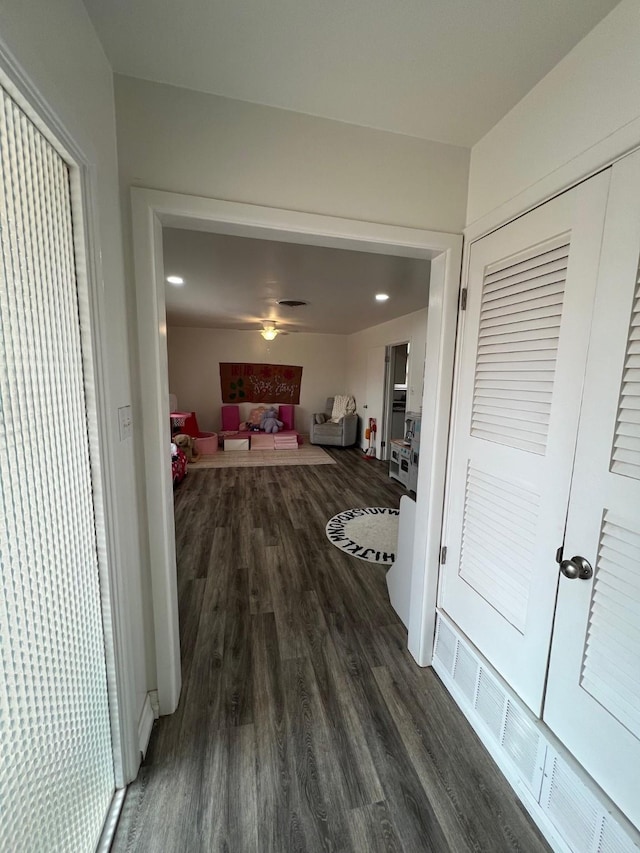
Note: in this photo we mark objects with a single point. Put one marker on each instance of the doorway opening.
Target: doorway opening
(221, 290)
(154, 209)
(395, 394)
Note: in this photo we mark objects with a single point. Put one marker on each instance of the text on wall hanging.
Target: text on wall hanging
(260, 383)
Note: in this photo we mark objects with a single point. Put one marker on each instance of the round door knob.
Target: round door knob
(576, 567)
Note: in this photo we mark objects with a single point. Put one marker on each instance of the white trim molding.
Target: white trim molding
(145, 724)
(442, 320)
(153, 209)
(155, 703)
(580, 168)
(105, 841)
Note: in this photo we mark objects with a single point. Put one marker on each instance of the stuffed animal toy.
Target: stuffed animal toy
(270, 422)
(254, 421)
(188, 445)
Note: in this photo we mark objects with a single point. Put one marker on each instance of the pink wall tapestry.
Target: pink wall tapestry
(260, 383)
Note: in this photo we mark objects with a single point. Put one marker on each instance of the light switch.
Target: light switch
(125, 422)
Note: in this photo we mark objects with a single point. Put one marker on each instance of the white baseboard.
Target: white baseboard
(155, 703)
(111, 822)
(528, 754)
(145, 723)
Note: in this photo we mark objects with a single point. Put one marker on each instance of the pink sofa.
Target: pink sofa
(231, 422)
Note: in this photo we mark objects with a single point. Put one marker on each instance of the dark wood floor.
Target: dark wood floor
(304, 723)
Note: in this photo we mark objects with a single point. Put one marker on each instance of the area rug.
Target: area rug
(306, 454)
(369, 534)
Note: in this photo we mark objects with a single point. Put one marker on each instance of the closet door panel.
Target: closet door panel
(521, 366)
(593, 695)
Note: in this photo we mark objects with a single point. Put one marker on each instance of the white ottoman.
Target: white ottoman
(236, 444)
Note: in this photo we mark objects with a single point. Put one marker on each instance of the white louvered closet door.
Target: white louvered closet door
(593, 695)
(521, 368)
(56, 766)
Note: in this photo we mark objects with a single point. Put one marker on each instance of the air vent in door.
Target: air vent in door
(490, 703)
(580, 813)
(612, 839)
(519, 330)
(612, 650)
(500, 517)
(510, 727)
(520, 740)
(445, 646)
(466, 673)
(626, 443)
(570, 805)
(584, 820)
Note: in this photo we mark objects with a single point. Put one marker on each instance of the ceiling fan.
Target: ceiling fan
(270, 330)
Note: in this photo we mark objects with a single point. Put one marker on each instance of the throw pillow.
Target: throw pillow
(321, 419)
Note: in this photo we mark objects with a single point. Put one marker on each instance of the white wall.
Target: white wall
(56, 46)
(591, 94)
(194, 367)
(190, 142)
(412, 328)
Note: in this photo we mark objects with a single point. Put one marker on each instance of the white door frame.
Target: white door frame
(102, 441)
(386, 408)
(153, 209)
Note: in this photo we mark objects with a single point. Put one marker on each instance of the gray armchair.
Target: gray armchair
(342, 434)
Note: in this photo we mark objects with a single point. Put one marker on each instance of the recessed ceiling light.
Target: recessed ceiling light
(175, 279)
(382, 297)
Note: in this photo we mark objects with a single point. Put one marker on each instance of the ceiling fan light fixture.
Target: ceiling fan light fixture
(269, 332)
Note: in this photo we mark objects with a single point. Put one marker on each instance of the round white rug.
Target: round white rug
(369, 534)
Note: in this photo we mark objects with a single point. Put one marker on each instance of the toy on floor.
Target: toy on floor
(187, 444)
(270, 422)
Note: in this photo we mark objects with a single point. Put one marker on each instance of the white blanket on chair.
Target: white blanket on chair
(343, 405)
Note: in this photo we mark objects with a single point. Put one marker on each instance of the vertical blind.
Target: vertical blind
(56, 770)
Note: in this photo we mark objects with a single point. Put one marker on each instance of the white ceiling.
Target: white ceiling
(235, 282)
(445, 70)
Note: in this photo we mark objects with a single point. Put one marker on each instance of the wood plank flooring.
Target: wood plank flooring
(304, 724)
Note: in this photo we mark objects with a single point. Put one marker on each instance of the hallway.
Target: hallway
(304, 724)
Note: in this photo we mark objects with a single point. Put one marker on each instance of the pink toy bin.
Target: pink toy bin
(207, 445)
